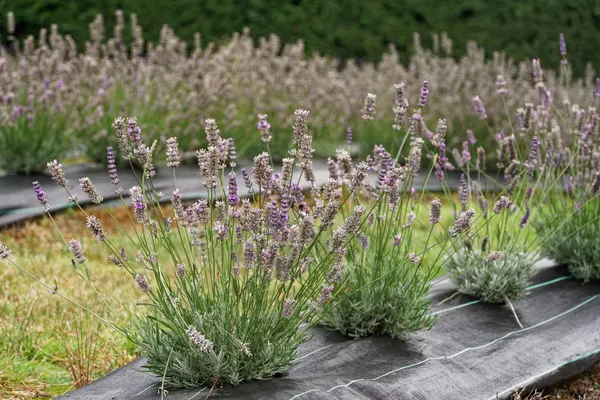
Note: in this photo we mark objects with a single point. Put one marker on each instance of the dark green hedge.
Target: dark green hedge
(346, 28)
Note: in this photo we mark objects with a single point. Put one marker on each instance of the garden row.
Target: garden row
(58, 102)
(232, 285)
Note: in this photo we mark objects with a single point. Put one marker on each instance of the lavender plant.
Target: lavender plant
(228, 282)
(385, 285)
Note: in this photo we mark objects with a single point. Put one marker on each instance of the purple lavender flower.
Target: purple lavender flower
(363, 241)
(233, 198)
(5, 252)
(112, 169)
(462, 223)
(465, 154)
(94, 225)
(41, 196)
(597, 89)
(180, 270)
(143, 283)
(501, 85)
(471, 137)
(262, 171)
(288, 308)
(481, 159)
(221, 230)
(464, 191)
(77, 250)
(56, 170)
(199, 340)
(424, 94)
(349, 135)
(326, 291)
(177, 205)
(435, 214)
(264, 128)
(562, 47)
(247, 180)
(596, 183)
(479, 108)
(526, 215)
(414, 258)
(397, 240)
(173, 157)
(502, 204)
(368, 112)
(533, 154)
(137, 197)
(90, 189)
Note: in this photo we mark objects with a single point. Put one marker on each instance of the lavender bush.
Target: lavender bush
(385, 284)
(229, 282)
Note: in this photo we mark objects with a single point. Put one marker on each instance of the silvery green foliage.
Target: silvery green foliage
(385, 284)
(574, 240)
(396, 305)
(492, 277)
(230, 286)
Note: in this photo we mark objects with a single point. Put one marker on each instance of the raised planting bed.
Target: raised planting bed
(475, 351)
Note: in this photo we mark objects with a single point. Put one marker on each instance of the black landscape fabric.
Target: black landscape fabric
(475, 351)
(18, 202)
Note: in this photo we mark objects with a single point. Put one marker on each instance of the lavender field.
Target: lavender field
(317, 205)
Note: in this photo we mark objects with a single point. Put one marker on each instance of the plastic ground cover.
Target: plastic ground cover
(475, 351)
(18, 202)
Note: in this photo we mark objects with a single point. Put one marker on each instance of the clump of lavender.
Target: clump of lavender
(272, 245)
(380, 272)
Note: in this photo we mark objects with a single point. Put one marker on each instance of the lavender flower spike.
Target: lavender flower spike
(112, 169)
(41, 196)
(173, 157)
(56, 170)
(4, 251)
(435, 214)
(502, 204)
(77, 250)
(94, 225)
(199, 339)
(368, 112)
(562, 46)
(597, 89)
(424, 94)
(233, 198)
(288, 308)
(264, 128)
(90, 189)
(137, 197)
(479, 108)
(143, 283)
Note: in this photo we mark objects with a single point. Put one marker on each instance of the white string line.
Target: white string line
(143, 390)
(460, 352)
(532, 287)
(527, 381)
(313, 352)
(202, 390)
